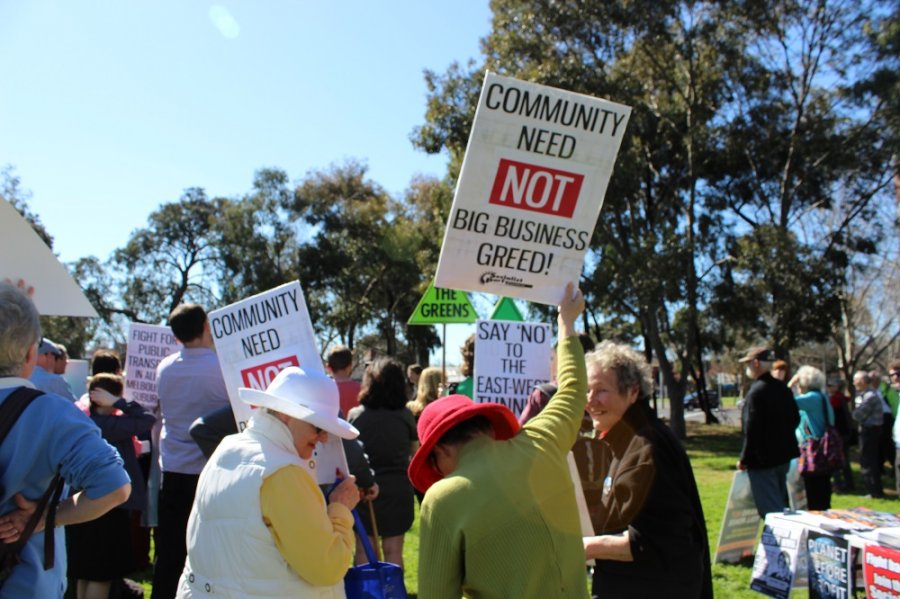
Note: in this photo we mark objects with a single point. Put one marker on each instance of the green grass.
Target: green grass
(713, 450)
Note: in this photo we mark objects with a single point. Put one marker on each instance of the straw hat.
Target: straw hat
(443, 414)
(308, 396)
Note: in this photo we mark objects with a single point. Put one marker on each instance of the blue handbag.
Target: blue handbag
(375, 580)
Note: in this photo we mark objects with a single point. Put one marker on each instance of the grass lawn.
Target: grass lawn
(713, 450)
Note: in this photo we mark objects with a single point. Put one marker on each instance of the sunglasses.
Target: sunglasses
(895, 373)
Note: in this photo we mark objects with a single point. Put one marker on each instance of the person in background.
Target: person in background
(869, 413)
(50, 437)
(815, 413)
(781, 371)
(189, 384)
(412, 380)
(499, 517)
(340, 365)
(388, 432)
(429, 389)
(43, 376)
(769, 417)
(62, 360)
(894, 376)
(840, 404)
(260, 526)
(886, 454)
(100, 551)
(467, 369)
(651, 539)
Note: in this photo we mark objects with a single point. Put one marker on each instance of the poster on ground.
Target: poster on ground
(258, 337)
(776, 567)
(740, 525)
(511, 359)
(881, 571)
(531, 187)
(829, 566)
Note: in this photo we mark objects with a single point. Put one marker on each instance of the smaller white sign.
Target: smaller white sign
(147, 345)
(258, 337)
(511, 358)
(76, 375)
(780, 561)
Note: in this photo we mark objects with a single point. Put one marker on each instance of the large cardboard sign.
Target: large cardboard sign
(258, 337)
(147, 345)
(24, 255)
(881, 569)
(740, 525)
(829, 566)
(776, 567)
(533, 180)
(511, 358)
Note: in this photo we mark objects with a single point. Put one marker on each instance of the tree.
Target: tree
(163, 265)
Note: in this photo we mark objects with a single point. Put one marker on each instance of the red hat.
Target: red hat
(440, 416)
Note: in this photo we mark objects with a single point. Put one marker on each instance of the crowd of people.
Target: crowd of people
(240, 513)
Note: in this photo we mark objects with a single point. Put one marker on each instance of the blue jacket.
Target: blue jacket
(51, 435)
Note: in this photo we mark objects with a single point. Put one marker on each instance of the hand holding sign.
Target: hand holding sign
(571, 306)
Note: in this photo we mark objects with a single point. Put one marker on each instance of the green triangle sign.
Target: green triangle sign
(506, 310)
(443, 306)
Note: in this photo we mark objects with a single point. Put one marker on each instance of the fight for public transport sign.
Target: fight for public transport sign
(533, 180)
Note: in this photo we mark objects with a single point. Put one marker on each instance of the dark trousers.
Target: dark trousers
(176, 496)
(869, 459)
(818, 492)
(887, 440)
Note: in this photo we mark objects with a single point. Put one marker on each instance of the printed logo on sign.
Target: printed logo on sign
(258, 377)
(536, 188)
(492, 277)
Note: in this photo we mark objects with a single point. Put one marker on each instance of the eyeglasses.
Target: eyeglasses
(895, 373)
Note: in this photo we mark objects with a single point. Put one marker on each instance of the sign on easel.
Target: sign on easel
(740, 525)
(258, 337)
(511, 358)
(531, 187)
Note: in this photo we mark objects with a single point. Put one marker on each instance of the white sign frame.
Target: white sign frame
(511, 358)
(535, 173)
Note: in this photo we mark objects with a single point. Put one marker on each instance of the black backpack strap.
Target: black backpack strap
(10, 410)
(13, 406)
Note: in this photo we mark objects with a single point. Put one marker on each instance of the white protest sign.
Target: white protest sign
(258, 337)
(147, 345)
(533, 180)
(76, 375)
(24, 255)
(511, 358)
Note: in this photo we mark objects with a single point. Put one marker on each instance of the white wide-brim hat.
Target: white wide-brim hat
(308, 396)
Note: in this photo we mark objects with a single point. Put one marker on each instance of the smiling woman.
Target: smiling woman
(652, 532)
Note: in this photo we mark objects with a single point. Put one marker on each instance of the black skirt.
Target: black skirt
(100, 550)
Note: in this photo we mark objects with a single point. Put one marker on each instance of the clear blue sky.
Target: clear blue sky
(108, 109)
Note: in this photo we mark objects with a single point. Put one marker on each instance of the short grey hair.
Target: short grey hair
(862, 375)
(810, 378)
(630, 367)
(20, 328)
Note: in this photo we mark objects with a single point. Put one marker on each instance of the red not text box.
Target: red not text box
(536, 188)
(259, 376)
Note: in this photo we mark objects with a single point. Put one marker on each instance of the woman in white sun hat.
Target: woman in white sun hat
(260, 526)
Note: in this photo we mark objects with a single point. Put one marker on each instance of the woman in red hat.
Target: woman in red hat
(499, 517)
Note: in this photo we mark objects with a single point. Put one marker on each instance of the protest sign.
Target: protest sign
(776, 567)
(533, 180)
(258, 337)
(829, 566)
(443, 306)
(881, 571)
(147, 345)
(511, 358)
(740, 525)
(76, 375)
(25, 256)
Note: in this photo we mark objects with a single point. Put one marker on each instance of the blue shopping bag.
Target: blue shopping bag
(375, 580)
